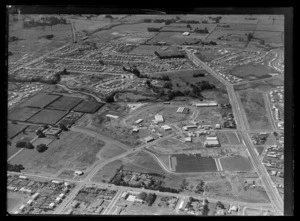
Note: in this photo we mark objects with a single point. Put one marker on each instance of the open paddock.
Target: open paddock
(252, 71)
(40, 100)
(175, 38)
(210, 114)
(14, 129)
(21, 113)
(64, 103)
(270, 37)
(88, 107)
(236, 164)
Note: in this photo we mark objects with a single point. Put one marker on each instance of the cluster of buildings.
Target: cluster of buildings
(43, 196)
(260, 139)
(212, 141)
(277, 98)
(229, 121)
(91, 200)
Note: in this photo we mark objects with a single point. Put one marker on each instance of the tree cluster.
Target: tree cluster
(15, 167)
(44, 21)
(249, 36)
(189, 21)
(202, 31)
(220, 205)
(24, 144)
(49, 37)
(152, 29)
(200, 187)
(41, 148)
(198, 75)
(216, 19)
(108, 16)
(150, 198)
(167, 85)
(209, 43)
(13, 38)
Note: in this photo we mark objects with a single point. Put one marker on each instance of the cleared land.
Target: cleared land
(223, 138)
(64, 103)
(236, 164)
(145, 49)
(14, 129)
(175, 38)
(259, 149)
(73, 151)
(48, 116)
(22, 113)
(252, 72)
(185, 164)
(88, 107)
(254, 106)
(111, 151)
(40, 100)
(211, 114)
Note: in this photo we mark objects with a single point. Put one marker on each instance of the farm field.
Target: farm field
(233, 139)
(64, 103)
(47, 116)
(87, 107)
(236, 164)
(270, 37)
(254, 106)
(72, 151)
(14, 129)
(186, 164)
(22, 113)
(40, 100)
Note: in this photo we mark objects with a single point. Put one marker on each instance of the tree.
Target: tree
(189, 26)
(150, 198)
(20, 144)
(220, 205)
(63, 127)
(29, 145)
(168, 85)
(142, 196)
(108, 16)
(8, 142)
(249, 36)
(205, 210)
(41, 148)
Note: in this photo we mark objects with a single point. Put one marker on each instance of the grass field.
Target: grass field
(223, 138)
(233, 139)
(43, 140)
(40, 100)
(145, 49)
(64, 103)
(210, 114)
(48, 116)
(107, 172)
(220, 96)
(14, 129)
(236, 164)
(262, 85)
(72, 151)
(175, 38)
(238, 27)
(111, 151)
(254, 106)
(254, 212)
(252, 72)
(88, 107)
(22, 113)
(270, 37)
(185, 164)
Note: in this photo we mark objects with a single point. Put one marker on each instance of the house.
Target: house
(233, 208)
(187, 139)
(139, 121)
(112, 116)
(185, 33)
(131, 198)
(148, 139)
(125, 195)
(135, 130)
(51, 205)
(56, 181)
(206, 104)
(159, 118)
(23, 177)
(189, 127)
(30, 202)
(78, 173)
(34, 196)
(211, 143)
(218, 126)
(75, 204)
(166, 127)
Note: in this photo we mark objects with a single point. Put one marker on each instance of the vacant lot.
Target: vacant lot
(145, 49)
(22, 113)
(254, 106)
(72, 151)
(47, 116)
(185, 164)
(209, 114)
(175, 38)
(259, 149)
(14, 129)
(88, 107)
(40, 100)
(64, 103)
(252, 72)
(236, 164)
(238, 27)
(233, 139)
(223, 138)
(262, 85)
(107, 172)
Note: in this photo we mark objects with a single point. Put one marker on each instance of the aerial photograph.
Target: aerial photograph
(145, 114)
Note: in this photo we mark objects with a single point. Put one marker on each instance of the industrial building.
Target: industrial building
(206, 104)
(211, 142)
(190, 127)
(148, 139)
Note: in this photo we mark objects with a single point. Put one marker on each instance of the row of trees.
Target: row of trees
(28, 145)
(152, 29)
(198, 75)
(216, 19)
(15, 167)
(201, 31)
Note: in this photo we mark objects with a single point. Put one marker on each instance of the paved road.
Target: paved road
(264, 175)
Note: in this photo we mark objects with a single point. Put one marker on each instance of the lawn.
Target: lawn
(186, 164)
(44, 140)
(22, 113)
(233, 138)
(72, 151)
(40, 100)
(48, 116)
(64, 103)
(255, 109)
(236, 164)
(14, 129)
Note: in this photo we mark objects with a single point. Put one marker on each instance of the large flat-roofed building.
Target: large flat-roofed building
(166, 127)
(206, 104)
(211, 143)
(138, 121)
(189, 127)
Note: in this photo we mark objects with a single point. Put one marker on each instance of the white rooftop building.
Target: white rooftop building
(159, 118)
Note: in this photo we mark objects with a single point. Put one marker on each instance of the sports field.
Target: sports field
(48, 116)
(186, 164)
(40, 100)
(64, 103)
(236, 164)
(22, 113)
(88, 107)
